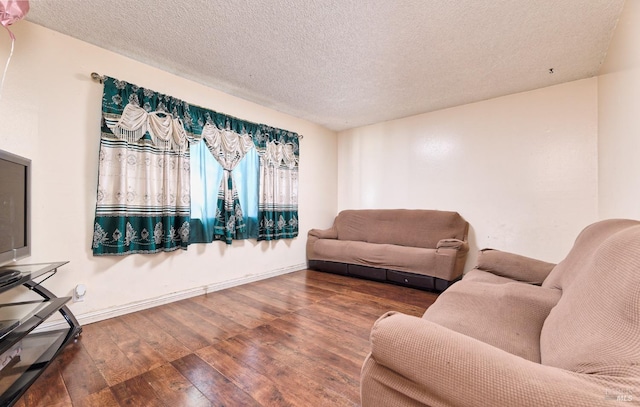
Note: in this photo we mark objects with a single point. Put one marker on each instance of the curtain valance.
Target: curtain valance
(118, 95)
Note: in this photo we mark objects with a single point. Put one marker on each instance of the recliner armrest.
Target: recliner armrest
(514, 266)
(436, 366)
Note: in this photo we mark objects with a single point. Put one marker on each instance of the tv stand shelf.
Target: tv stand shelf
(25, 354)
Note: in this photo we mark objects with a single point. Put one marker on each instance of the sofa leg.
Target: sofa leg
(328, 267)
(441, 285)
(419, 281)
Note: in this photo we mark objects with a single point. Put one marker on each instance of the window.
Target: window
(206, 176)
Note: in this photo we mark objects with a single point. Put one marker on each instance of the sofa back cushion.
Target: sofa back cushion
(595, 327)
(404, 227)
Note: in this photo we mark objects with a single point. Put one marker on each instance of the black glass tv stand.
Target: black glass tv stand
(25, 354)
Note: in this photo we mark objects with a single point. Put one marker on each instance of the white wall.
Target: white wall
(522, 169)
(50, 112)
(619, 120)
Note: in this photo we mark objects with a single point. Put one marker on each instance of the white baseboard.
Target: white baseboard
(112, 312)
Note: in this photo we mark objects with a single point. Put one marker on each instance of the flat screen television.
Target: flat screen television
(15, 197)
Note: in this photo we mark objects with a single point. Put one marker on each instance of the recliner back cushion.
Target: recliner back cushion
(595, 327)
(404, 227)
(581, 255)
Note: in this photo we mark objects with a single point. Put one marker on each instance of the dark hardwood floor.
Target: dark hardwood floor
(294, 340)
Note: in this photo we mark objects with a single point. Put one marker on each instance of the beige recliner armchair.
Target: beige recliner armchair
(521, 332)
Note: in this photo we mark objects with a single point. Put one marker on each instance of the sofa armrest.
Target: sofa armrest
(514, 266)
(451, 255)
(453, 244)
(314, 234)
(436, 366)
(331, 233)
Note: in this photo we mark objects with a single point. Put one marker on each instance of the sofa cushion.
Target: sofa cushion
(506, 314)
(410, 259)
(483, 276)
(403, 227)
(600, 305)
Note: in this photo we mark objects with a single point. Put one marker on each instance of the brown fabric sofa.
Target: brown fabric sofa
(521, 332)
(414, 247)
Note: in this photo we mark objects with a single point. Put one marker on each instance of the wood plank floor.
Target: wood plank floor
(294, 340)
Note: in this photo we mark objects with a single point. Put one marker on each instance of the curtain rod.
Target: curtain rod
(96, 77)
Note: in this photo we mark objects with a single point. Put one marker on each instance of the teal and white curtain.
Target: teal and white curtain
(143, 182)
(278, 190)
(151, 198)
(228, 148)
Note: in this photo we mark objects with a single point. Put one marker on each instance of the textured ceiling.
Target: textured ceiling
(348, 63)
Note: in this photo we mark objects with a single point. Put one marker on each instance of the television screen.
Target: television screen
(14, 207)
